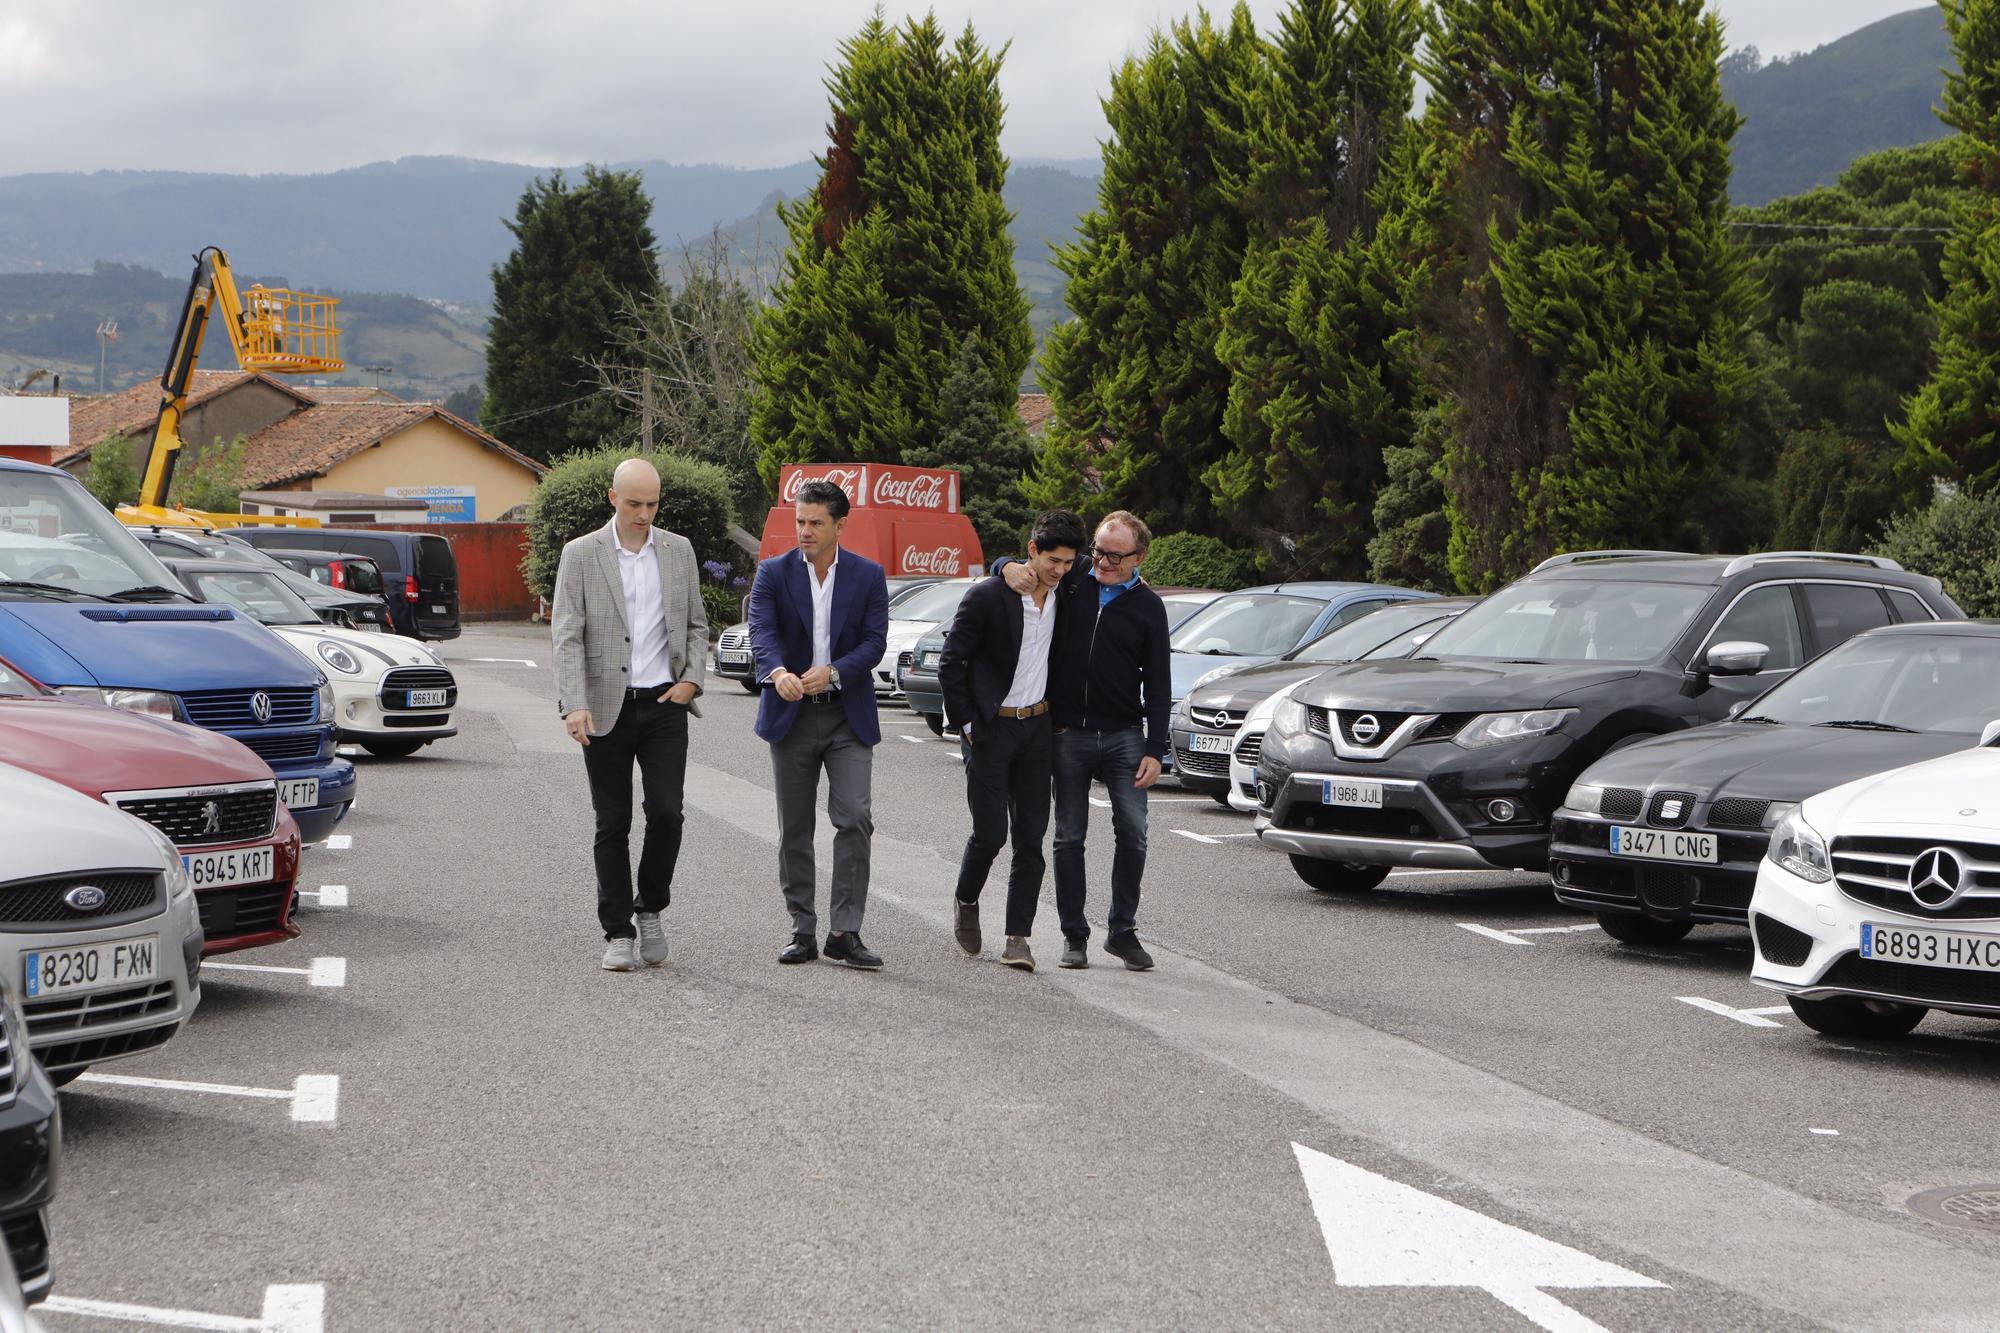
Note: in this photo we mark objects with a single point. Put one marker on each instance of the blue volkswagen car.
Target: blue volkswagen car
(87, 610)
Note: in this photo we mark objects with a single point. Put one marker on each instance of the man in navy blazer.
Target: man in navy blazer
(819, 622)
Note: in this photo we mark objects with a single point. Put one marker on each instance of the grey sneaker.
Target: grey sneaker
(1018, 954)
(965, 927)
(620, 956)
(652, 940)
(1073, 954)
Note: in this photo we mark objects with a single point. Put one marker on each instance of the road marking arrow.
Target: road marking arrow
(1756, 1018)
(1382, 1234)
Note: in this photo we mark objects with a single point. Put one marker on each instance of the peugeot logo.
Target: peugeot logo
(211, 819)
(1938, 879)
(1365, 728)
(85, 898)
(260, 707)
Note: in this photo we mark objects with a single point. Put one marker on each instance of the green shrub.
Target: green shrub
(571, 501)
(724, 606)
(1191, 560)
(1834, 492)
(212, 480)
(114, 472)
(1957, 540)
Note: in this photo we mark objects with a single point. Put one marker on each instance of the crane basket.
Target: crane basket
(290, 332)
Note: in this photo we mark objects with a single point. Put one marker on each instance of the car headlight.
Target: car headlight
(337, 657)
(1289, 718)
(147, 703)
(1797, 846)
(1776, 811)
(1585, 798)
(325, 699)
(1499, 728)
(178, 883)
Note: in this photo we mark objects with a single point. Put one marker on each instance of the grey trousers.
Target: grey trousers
(822, 739)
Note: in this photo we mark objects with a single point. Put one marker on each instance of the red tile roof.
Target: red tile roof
(132, 412)
(349, 393)
(1035, 411)
(311, 443)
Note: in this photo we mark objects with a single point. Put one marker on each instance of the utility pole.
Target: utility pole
(107, 333)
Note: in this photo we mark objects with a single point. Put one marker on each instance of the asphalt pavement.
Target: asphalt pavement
(1448, 1102)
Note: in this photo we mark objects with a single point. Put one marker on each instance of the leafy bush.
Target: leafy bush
(1957, 540)
(1834, 492)
(1192, 560)
(571, 501)
(114, 473)
(212, 480)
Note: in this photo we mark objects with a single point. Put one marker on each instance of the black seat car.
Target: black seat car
(30, 1147)
(1668, 833)
(1459, 756)
(419, 571)
(335, 606)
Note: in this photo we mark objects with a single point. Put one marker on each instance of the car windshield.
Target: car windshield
(1927, 682)
(1248, 624)
(1362, 638)
(937, 602)
(13, 685)
(1572, 620)
(256, 592)
(54, 534)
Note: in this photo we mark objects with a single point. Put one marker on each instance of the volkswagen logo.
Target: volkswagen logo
(85, 898)
(211, 819)
(260, 707)
(1365, 728)
(1938, 879)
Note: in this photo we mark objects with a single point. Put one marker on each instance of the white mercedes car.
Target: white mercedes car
(1880, 900)
(391, 695)
(99, 937)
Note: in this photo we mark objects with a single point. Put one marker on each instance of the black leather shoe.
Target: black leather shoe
(845, 946)
(801, 950)
(1125, 944)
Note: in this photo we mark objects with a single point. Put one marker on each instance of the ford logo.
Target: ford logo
(85, 898)
(260, 707)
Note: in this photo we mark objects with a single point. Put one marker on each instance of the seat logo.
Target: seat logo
(211, 818)
(1671, 810)
(260, 707)
(1365, 728)
(1938, 879)
(85, 898)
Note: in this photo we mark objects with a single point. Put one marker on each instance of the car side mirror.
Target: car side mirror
(1738, 657)
(1990, 735)
(1737, 708)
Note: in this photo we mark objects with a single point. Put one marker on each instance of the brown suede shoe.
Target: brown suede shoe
(966, 927)
(1018, 954)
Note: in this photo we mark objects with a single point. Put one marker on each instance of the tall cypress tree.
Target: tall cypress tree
(898, 256)
(1952, 431)
(580, 256)
(1592, 311)
(989, 446)
(1138, 389)
(1317, 389)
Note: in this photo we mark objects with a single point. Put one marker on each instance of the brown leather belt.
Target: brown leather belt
(1032, 710)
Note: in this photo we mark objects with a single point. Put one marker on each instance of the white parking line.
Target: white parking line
(288, 1308)
(328, 895)
(1514, 936)
(914, 740)
(315, 1098)
(503, 661)
(339, 842)
(1199, 837)
(1493, 934)
(323, 972)
(1748, 1017)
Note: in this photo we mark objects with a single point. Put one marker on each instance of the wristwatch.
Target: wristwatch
(833, 675)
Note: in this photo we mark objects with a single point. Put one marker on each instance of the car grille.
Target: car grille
(1778, 942)
(1876, 871)
(1318, 722)
(416, 719)
(396, 686)
(1622, 803)
(735, 640)
(1942, 985)
(289, 745)
(1670, 809)
(27, 1238)
(225, 709)
(1250, 749)
(1716, 893)
(9, 1073)
(903, 661)
(1665, 889)
(1201, 764)
(1216, 719)
(1310, 816)
(246, 911)
(1445, 726)
(189, 822)
(1738, 812)
(31, 904)
(95, 1009)
(1385, 726)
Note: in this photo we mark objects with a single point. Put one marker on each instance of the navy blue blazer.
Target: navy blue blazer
(781, 636)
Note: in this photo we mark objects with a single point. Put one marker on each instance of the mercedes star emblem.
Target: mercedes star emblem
(1938, 879)
(1366, 728)
(260, 707)
(211, 819)
(85, 898)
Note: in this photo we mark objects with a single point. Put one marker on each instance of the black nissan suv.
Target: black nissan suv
(1458, 757)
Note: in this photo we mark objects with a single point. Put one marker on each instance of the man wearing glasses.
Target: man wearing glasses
(1110, 691)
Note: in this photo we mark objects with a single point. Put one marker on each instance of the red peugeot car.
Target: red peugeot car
(211, 795)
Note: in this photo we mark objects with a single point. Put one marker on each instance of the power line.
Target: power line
(1840, 227)
(537, 411)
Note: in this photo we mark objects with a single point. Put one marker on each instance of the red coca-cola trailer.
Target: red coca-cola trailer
(908, 518)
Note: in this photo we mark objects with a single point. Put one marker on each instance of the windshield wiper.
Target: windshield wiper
(26, 586)
(145, 592)
(1218, 652)
(1865, 725)
(1521, 661)
(1760, 720)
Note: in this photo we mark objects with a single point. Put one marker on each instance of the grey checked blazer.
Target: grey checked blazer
(593, 647)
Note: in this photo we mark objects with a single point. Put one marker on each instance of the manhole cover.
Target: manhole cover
(1975, 1207)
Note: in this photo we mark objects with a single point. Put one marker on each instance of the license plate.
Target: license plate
(427, 698)
(1336, 792)
(91, 966)
(299, 793)
(734, 659)
(439, 611)
(1656, 844)
(1934, 948)
(366, 627)
(245, 865)
(1200, 744)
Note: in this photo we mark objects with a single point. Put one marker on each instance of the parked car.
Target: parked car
(419, 571)
(909, 620)
(30, 1153)
(732, 646)
(211, 796)
(391, 696)
(98, 920)
(96, 616)
(918, 679)
(1184, 602)
(1879, 901)
(1208, 719)
(1670, 832)
(345, 607)
(1459, 756)
(1260, 624)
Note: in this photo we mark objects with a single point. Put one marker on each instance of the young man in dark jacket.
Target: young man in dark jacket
(1110, 691)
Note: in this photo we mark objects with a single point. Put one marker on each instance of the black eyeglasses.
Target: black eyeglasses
(1098, 555)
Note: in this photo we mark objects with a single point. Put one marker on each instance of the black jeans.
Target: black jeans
(656, 735)
(1111, 757)
(1007, 775)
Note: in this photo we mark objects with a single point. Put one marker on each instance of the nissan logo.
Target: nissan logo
(1938, 879)
(1365, 728)
(85, 898)
(260, 707)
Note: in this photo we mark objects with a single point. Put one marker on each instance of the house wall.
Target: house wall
(434, 453)
(490, 583)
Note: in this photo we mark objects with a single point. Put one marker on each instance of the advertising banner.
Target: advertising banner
(448, 504)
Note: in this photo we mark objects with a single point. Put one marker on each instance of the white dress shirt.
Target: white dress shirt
(822, 595)
(1031, 669)
(645, 614)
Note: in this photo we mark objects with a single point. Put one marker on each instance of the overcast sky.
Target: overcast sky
(269, 85)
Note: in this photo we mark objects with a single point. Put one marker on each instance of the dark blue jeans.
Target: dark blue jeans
(1111, 757)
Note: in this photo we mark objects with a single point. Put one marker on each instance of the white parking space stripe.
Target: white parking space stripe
(1199, 837)
(323, 972)
(1826, 1133)
(315, 1098)
(503, 661)
(1503, 936)
(288, 1308)
(1749, 1017)
(1554, 930)
(914, 740)
(1513, 936)
(339, 842)
(327, 895)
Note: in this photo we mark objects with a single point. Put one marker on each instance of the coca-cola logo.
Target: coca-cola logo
(945, 561)
(849, 479)
(924, 491)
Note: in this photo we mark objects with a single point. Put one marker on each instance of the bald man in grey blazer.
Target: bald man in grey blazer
(631, 642)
